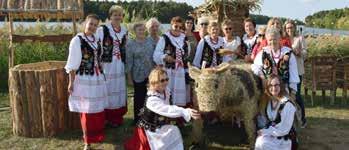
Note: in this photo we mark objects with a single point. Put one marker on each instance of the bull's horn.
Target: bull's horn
(223, 68)
(194, 72)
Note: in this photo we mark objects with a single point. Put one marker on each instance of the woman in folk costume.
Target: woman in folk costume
(87, 86)
(172, 53)
(154, 131)
(300, 51)
(249, 39)
(114, 37)
(278, 132)
(208, 47)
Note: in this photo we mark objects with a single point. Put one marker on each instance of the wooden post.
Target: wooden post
(74, 24)
(11, 51)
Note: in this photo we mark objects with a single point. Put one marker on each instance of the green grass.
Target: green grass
(328, 128)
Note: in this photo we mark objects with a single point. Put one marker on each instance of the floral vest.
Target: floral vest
(207, 55)
(282, 66)
(170, 50)
(108, 46)
(87, 65)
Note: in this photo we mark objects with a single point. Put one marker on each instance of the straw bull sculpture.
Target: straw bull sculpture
(228, 89)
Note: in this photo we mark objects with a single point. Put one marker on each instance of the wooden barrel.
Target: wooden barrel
(39, 100)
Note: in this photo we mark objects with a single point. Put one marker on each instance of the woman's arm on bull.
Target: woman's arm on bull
(159, 106)
(198, 53)
(294, 77)
(159, 54)
(283, 127)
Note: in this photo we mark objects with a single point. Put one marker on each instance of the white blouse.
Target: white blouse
(233, 46)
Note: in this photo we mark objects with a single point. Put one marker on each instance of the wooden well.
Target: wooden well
(39, 100)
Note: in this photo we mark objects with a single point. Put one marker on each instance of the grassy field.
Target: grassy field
(328, 128)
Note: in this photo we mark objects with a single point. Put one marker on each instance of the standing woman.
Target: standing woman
(172, 53)
(113, 37)
(191, 39)
(278, 133)
(153, 27)
(299, 49)
(231, 42)
(139, 63)
(203, 27)
(249, 39)
(208, 47)
(87, 87)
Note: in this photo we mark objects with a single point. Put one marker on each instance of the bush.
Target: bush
(327, 45)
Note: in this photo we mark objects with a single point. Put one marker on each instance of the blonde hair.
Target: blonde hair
(154, 76)
(273, 31)
(227, 22)
(136, 25)
(151, 21)
(115, 9)
(262, 28)
(213, 24)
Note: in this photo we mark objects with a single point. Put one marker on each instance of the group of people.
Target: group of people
(103, 60)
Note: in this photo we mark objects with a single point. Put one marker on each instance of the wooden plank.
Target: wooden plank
(46, 38)
(24, 103)
(11, 49)
(61, 100)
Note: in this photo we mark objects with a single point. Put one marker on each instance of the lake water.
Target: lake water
(306, 30)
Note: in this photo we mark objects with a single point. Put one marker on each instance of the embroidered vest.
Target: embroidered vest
(108, 46)
(150, 120)
(292, 133)
(170, 50)
(87, 65)
(207, 55)
(282, 66)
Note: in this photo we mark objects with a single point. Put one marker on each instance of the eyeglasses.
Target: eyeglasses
(274, 85)
(164, 80)
(228, 29)
(261, 35)
(204, 24)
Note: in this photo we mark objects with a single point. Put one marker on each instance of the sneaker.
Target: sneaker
(87, 147)
(304, 124)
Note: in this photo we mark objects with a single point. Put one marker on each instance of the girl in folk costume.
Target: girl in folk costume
(208, 47)
(172, 52)
(154, 130)
(278, 132)
(114, 37)
(87, 86)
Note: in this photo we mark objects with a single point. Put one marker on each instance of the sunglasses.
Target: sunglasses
(261, 35)
(228, 29)
(164, 80)
(204, 24)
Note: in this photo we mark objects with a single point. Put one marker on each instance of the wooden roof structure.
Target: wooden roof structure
(39, 9)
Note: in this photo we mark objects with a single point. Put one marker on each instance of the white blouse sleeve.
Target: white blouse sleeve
(198, 53)
(74, 57)
(100, 33)
(159, 106)
(303, 47)
(257, 64)
(294, 77)
(283, 127)
(159, 54)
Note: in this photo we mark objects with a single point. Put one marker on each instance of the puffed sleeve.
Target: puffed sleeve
(74, 57)
(159, 106)
(257, 64)
(129, 56)
(100, 33)
(283, 127)
(198, 53)
(159, 54)
(294, 77)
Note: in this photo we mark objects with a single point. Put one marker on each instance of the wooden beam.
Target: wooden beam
(45, 38)
(11, 49)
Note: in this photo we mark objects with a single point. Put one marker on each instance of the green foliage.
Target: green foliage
(141, 9)
(334, 19)
(262, 19)
(328, 45)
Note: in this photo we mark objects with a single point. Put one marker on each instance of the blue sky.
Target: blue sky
(296, 9)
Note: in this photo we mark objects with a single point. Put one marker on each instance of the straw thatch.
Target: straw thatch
(230, 89)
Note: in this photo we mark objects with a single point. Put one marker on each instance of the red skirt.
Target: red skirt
(138, 141)
(115, 116)
(92, 125)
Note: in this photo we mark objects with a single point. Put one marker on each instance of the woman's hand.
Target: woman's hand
(194, 113)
